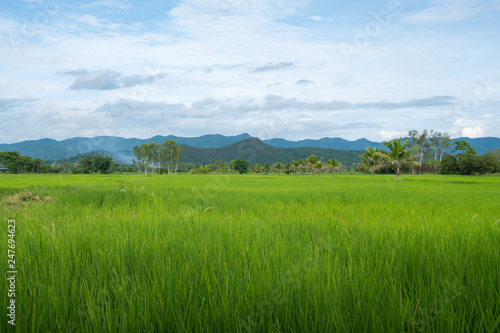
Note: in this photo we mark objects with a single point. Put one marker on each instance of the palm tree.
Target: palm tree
(266, 167)
(333, 164)
(296, 166)
(312, 160)
(319, 166)
(370, 159)
(255, 168)
(278, 166)
(397, 155)
(302, 165)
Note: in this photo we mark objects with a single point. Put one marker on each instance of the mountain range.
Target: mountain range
(209, 148)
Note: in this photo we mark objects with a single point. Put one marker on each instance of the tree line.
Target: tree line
(426, 153)
(17, 164)
(311, 164)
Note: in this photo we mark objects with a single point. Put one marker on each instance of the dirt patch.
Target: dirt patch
(22, 199)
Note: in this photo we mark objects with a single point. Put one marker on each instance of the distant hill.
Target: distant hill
(334, 143)
(256, 151)
(121, 148)
(49, 149)
(482, 145)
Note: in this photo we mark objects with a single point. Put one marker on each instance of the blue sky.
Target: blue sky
(272, 68)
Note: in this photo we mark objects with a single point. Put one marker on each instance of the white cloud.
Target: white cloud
(389, 135)
(95, 22)
(469, 127)
(446, 11)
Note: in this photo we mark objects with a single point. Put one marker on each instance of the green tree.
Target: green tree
(397, 155)
(296, 166)
(278, 166)
(239, 165)
(370, 159)
(102, 163)
(312, 160)
(486, 163)
(444, 145)
(85, 164)
(319, 167)
(255, 168)
(266, 167)
(465, 157)
(333, 164)
(170, 155)
(449, 165)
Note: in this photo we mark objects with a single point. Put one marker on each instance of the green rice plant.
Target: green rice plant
(259, 253)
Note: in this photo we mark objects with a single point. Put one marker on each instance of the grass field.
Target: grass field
(254, 253)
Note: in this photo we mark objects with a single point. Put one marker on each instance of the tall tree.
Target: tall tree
(266, 168)
(319, 166)
(423, 145)
(170, 155)
(278, 166)
(255, 168)
(333, 165)
(296, 166)
(397, 155)
(444, 144)
(370, 159)
(312, 160)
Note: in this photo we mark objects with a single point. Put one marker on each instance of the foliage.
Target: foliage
(155, 156)
(239, 165)
(370, 159)
(15, 163)
(278, 166)
(333, 165)
(397, 155)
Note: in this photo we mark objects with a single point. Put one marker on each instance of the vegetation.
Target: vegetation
(254, 151)
(239, 253)
(333, 165)
(424, 152)
(370, 159)
(97, 163)
(397, 155)
(154, 156)
(16, 163)
(239, 165)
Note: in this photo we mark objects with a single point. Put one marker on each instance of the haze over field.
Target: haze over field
(271, 68)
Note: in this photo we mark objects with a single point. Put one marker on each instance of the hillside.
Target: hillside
(256, 151)
(49, 149)
(334, 143)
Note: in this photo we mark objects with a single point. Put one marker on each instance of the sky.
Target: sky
(292, 69)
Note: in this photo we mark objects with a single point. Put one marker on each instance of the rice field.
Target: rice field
(252, 253)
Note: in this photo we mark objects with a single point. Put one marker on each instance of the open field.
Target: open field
(253, 253)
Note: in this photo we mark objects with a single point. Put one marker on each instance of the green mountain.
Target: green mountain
(334, 143)
(256, 151)
(49, 149)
